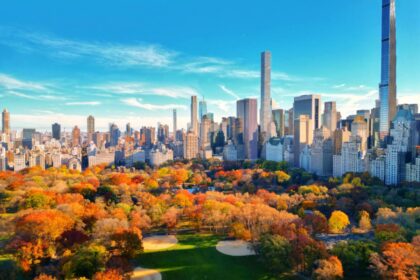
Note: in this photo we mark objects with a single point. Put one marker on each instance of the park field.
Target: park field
(195, 257)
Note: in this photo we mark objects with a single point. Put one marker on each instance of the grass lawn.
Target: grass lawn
(195, 257)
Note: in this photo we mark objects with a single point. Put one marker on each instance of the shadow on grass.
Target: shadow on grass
(195, 257)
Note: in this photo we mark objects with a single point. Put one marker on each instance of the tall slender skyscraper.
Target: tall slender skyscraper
(174, 122)
(265, 110)
(6, 122)
(194, 122)
(388, 85)
(246, 110)
(90, 127)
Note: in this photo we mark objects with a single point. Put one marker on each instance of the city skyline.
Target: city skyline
(113, 79)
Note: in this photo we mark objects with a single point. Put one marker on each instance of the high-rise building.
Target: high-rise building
(194, 121)
(205, 133)
(388, 85)
(6, 122)
(303, 136)
(75, 136)
(329, 118)
(360, 133)
(278, 119)
(128, 129)
(246, 110)
(202, 109)
(309, 105)
(56, 131)
(90, 128)
(413, 108)
(190, 142)
(174, 126)
(115, 134)
(265, 109)
(288, 122)
(27, 137)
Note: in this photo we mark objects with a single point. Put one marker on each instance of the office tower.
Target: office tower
(202, 108)
(27, 136)
(388, 86)
(115, 134)
(360, 133)
(246, 110)
(375, 123)
(288, 122)
(6, 122)
(399, 152)
(309, 105)
(190, 142)
(303, 136)
(265, 110)
(75, 136)
(56, 131)
(413, 108)
(90, 128)
(194, 122)
(147, 137)
(205, 133)
(163, 133)
(329, 118)
(278, 119)
(321, 155)
(174, 122)
(340, 136)
(128, 129)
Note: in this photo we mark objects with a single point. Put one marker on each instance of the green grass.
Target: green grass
(195, 257)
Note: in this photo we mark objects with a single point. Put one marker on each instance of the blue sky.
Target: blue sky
(136, 60)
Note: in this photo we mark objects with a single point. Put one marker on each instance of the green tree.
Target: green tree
(275, 251)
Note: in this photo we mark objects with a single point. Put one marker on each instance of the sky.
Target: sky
(135, 60)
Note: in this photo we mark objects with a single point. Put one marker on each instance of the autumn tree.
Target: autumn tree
(329, 269)
(275, 252)
(364, 221)
(396, 261)
(338, 222)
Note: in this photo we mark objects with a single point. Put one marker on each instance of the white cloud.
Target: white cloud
(11, 83)
(228, 91)
(138, 103)
(84, 103)
(223, 105)
(102, 52)
(132, 88)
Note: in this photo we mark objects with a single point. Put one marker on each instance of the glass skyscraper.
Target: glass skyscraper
(388, 87)
(265, 110)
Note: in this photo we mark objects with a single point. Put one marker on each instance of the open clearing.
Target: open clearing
(195, 258)
(237, 248)
(159, 242)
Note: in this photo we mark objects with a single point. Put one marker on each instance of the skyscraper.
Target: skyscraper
(329, 118)
(75, 141)
(6, 122)
(194, 122)
(308, 105)
(303, 136)
(246, 110)
(90, 127)
(56, 131)
(202, 109)
(265, 110)
(174, 122)
(388, 86)
(278, 118)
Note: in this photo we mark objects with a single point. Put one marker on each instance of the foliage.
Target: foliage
(338, 222)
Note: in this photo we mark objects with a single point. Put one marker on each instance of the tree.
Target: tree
(329, 269)
(275, 251)
(86, 262)
(338, 222)
(355, 256)
(127, 242)
(109, 274)
(396, 261)
(364, 221)
(170, 218)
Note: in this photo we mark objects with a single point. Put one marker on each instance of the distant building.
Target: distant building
(274, 149)
(246, 110)
(75, 136)
(278, 119)
(56, 131)
(190, 145)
